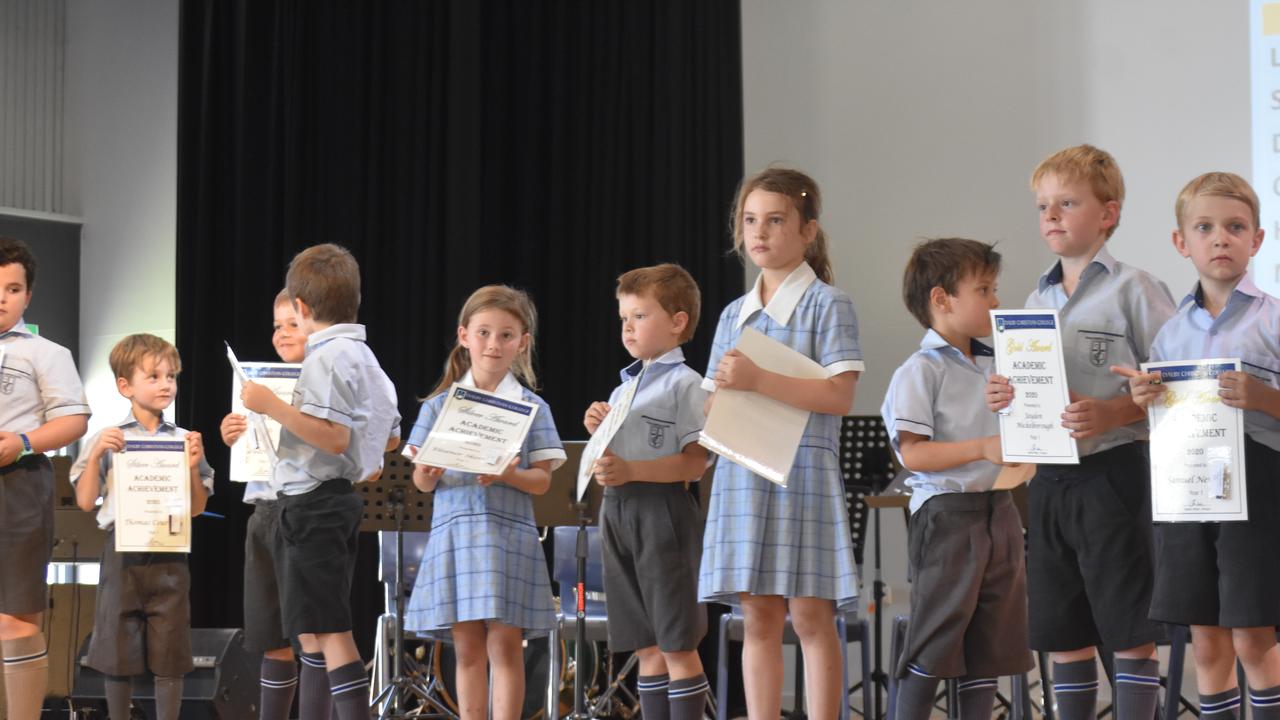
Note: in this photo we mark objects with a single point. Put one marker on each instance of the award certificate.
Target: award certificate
(603, 435)
(253, 455)
(1197, 446)
(151, 488)
(1028, 345)
(477, 432)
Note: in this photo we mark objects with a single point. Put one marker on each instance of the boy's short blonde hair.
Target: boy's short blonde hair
(130, 353)
(1088, 164)
(327, 278)
(672, 286)
(1218, 184)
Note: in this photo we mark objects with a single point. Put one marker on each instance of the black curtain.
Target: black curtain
(547, 145)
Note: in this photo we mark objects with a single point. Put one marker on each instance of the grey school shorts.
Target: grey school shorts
(26, 534)
(263, 621)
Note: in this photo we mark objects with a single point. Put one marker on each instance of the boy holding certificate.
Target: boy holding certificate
(968, 597)
(649, 521)
(342, 420)
(1090, 566)
(1220, 578)
(42, 408)
(142, 617)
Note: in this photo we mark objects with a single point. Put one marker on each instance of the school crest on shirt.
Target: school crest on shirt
(6, 384)
(1098, 351)
(657, 433)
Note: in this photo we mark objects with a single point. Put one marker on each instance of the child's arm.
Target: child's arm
(1088, 417)
(57, 433)
(195, 453)
(534, 480)
(830, 396)
(920, 454)
(317, 432)
(1239, 389)
(685, 466)
(89, 482)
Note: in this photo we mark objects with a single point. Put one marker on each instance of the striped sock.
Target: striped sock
(654, 704)
(1265, 704)
(314, 700)
(977, 697)
(1220, 706)
(1075, 687)
(916, 692)
(1137, 689)
(688, 697)
(350, 689)
(279, 683)
(26, 675)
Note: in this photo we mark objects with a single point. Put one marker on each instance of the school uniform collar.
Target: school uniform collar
(674, 356)
(1245, 289)
(933, 341)
(785, 298)
(509, 387)
(132, 421)
(19, 329)
(1053, 276)
(354, 331)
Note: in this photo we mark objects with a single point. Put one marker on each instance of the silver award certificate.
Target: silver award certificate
(1197, 446)
(253, 455)
(151, 487)
(477, 432)
(1028, 346)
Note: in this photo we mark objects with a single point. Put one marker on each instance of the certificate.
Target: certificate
(755, 431)
(256, 420)
(151, 487)
(253, 454)
(603, 435)
(1028, 345)
(1197, 446)
(477, 432)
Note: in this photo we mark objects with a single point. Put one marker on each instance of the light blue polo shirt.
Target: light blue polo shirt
(666, 411)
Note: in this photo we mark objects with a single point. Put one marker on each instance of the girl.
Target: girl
(772, 548)
(484, 574)
(264, 628)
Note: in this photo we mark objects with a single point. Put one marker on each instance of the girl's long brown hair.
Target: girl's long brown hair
(805, 195)
(494, 297)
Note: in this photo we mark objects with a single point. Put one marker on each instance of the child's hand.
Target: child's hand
(611, 470)
(10, 446)
(255, 397)
(1144, 388)
(426, 477)
(1242, 390)
(487, 480)
(999, 393)
(195, 449)
(595, 415)
(111, 439)
(991, 450)
(737, 372)
(233, 426)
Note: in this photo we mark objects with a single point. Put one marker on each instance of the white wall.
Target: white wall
(122, 130)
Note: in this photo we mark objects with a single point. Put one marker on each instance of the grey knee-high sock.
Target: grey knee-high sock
(119, 692)
(654, 704)
(1137, 689)
(314, 698)
(1075, 687)
(977, 697)
(168, 697)
(26, 675)
(279, 682)
(1220, 706)
(1265, 704)
(350, 689)
(917, 690)
(688, 697)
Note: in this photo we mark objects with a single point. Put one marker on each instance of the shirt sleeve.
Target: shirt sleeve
(909, 402)
(836, 340)
(720, 345)
(1151, 307)
(324, 388)
(689, 416)
(61, 391)
(82, 461)
(426, 418)
(543, 441)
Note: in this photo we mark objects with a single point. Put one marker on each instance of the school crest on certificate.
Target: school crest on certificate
(477, 432)
(1028, 348)
(151, 487)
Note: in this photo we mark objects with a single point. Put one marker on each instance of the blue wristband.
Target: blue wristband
(26, 447)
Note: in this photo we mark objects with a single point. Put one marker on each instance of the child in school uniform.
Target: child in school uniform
(776, 549)
(263, 621)
(483, 578)
(142, 615)
(1089, 565)
(1219, 578)
(649, 522)
(969, 594)
(343, 418)
(42, 408)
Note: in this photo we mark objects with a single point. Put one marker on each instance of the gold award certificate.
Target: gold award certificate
(151, 485)
(1197, 446)
(1028, 347)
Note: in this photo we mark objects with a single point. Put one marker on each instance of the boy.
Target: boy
(142, 617)
(42, 408)
(1089, 565)
(649, 521)
(1214, 576)
(968, 598)
(342, 419)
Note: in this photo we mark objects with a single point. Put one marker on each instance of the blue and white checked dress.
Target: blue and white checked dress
(483, 559)
(795, 541)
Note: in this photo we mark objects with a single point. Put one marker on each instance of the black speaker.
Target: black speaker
(223, 685)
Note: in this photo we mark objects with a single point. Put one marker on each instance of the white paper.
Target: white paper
(477, 432)
(252, 455)
(151, 491)
(1197, 446)
(1028, 349)
(755, 431)
(256, 420)
(603, 435)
